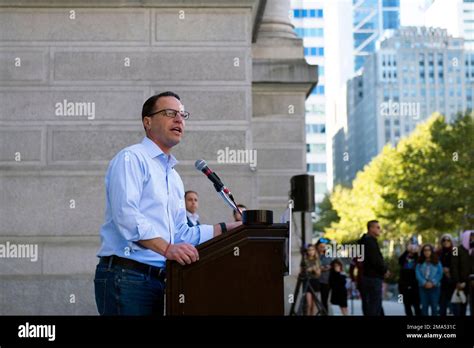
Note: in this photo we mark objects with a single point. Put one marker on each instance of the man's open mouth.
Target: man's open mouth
(177, 130)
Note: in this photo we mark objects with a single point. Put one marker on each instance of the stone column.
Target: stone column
(276, 20)
(281, 80)
(276, 37)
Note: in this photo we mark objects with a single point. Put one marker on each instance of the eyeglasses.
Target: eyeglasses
(172, 113)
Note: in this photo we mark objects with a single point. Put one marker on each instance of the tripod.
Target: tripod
(303, 279)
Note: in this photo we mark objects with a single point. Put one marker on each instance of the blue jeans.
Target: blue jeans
(429, 298)
(120, 291)
(371, 293)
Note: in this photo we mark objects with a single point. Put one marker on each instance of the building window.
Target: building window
(317, 109)
(314, 51)
(316, 167)
(316, 148)
(320, 188)
(319, 90)
(309, 32)
(316, 128)
(305, 13)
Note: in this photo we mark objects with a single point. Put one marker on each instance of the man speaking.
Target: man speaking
(145, 217)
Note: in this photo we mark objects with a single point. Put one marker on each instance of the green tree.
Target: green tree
(327, 214)
(433, 189)
(422, 186)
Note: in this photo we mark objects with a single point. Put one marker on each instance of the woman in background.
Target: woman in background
(429, 273)
(312, 268)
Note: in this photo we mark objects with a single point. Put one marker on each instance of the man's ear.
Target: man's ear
(146, 123)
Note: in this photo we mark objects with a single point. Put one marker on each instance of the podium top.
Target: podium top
(257, 217)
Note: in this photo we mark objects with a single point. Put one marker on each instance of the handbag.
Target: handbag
(458, 297)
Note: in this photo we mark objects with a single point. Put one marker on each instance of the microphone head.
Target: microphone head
(200, 164)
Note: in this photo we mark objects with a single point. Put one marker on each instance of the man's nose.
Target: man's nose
(179, 117)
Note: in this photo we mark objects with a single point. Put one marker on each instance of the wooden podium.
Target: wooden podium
(238, 273)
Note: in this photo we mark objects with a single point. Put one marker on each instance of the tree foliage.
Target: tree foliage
(422, 186)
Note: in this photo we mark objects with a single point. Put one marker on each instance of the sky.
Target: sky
(410, 12)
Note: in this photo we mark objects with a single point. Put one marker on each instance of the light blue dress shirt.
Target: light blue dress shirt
(145, 200)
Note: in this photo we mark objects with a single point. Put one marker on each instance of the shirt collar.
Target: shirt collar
(193, 217)
(154, 150)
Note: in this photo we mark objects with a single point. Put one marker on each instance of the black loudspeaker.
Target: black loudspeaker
(302, 193)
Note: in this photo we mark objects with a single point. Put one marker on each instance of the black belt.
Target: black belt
(133, 265)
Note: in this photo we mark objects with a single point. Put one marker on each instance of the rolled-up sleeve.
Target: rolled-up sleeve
(124, 185)
(194, 235)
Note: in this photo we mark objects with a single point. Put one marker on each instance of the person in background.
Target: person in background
(407, 283)
(462, 266)
(237, 216)
(325, 268)
(429, 273)
(337, 283)
(192, 204)
(374, 271)
(445, 254)
(312, 270)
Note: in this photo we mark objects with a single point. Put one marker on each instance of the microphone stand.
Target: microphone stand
(227, 197)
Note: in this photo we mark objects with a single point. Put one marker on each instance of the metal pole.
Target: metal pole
(303, 231)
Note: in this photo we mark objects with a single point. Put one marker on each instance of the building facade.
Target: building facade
(339, 47)
(456, 16)
(371, 18)
(308, 17)
(73, 79)
(414, 73)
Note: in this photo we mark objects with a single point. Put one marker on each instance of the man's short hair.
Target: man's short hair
(370, 223)
(188, 192)
(149, 105)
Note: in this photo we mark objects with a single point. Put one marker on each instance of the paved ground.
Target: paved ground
(355, 308)
(389, 307)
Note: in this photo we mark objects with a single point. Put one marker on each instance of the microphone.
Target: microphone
(201, 165)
